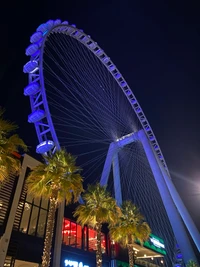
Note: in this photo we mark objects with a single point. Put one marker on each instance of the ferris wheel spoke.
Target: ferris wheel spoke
(86, 105)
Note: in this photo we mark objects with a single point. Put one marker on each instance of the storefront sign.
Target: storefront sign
(156, 242)
(74, 263)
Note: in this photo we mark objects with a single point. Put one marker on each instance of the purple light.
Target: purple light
(112, 67)
(36, 116)
(30, 66)
(57, 22)
(66, 23)
(128, 92)
(44, 147)
(31, 89)
(42, 28)
(123, 83)
(133, 101)
(49, 24)
(32, 49)
(117, 75)
(37, 36)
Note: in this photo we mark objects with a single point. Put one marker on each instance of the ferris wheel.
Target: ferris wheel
(81, 101)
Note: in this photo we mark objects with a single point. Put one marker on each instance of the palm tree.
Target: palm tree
(57, 179)
(130, 228)
(98, 208)
(192, 263)
(9, 143)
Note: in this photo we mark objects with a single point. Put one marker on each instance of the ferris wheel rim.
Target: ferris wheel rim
(90, 44)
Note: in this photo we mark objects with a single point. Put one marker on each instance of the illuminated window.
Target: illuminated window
(72, 234)
(41, 223)
(33, 221)
(92, 234)
(85, 240)
(92, 237)
(34, 216)
(25, 218)
(79, 236)
(66, 232)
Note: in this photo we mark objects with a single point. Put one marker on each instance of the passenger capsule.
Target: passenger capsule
(44, 147)
(32, 89)
(30, 67)
(36, 116)
(32, 49)
(37, 36)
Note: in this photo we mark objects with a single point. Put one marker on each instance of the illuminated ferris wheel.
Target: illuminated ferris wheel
(81, 101)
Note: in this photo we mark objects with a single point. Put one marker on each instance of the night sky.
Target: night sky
(155, 45)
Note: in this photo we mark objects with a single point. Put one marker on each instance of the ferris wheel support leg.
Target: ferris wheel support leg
(116, 178)
(107, 165)
(182, 210)
(172, 212)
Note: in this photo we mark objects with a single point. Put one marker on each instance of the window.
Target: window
(93, 241)
(79, 236)
(34, 216)
(25, 218)
(92, 237)
(85, 238)
(41, 223)
(73, 234)
(33, 221)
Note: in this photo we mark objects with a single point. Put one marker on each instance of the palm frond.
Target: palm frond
(99, 207)
(56, 174)
(130, 226)
(6, 127)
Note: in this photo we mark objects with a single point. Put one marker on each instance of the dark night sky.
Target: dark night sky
(155, 44)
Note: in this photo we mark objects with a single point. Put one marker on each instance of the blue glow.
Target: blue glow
(30, 66)
(57, 22)
(31, 89)
(117, 75)
(36, 116)
(133, 101)
(32, 49)
(42, 28)
(44, 147)
(179, 256)
(49, 24)
(37, 36)
(45, 32)
(66, 22)
(112, 67)
(123, 83)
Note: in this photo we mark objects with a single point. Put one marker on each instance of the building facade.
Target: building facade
(23, 222)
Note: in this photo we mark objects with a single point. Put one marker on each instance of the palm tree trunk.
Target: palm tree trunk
(130, 255)
(46, 258)
(98, 252)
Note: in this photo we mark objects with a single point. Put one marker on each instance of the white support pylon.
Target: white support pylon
(172, 212)
(182, 209)
(116, 178)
